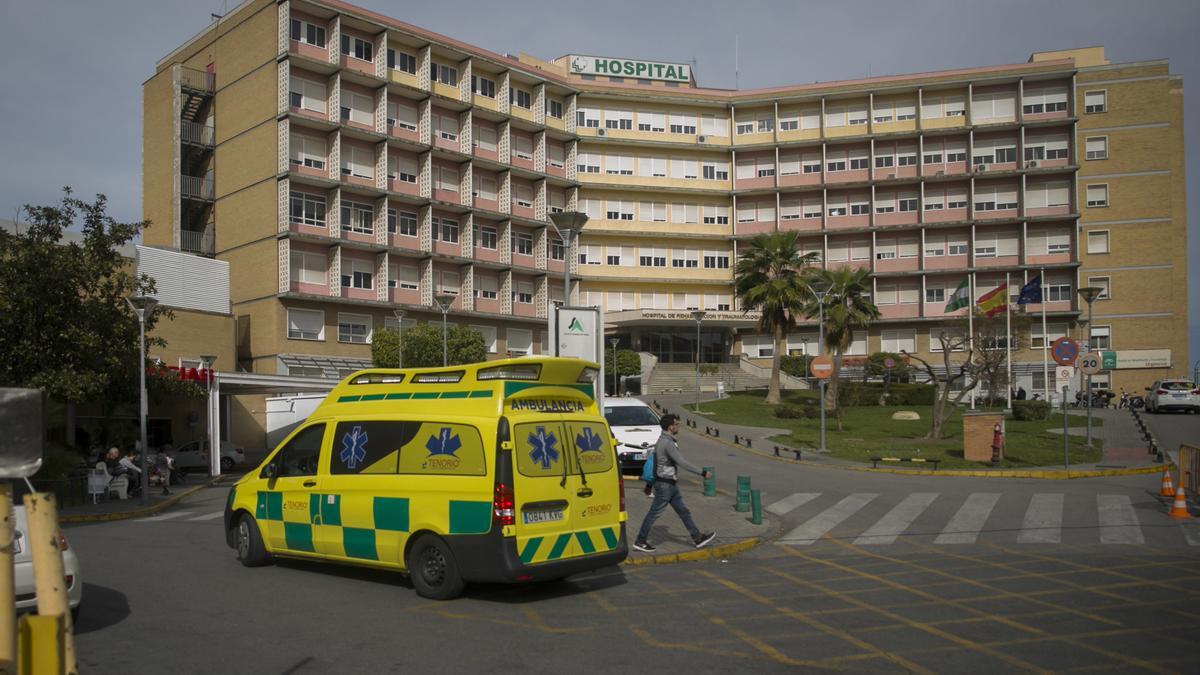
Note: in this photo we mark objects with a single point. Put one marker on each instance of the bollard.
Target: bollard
(48, 578)
(710, 483)
(756, 507)
(797, 451)
(747, 442)
(737, 440)
(716, 432)
(743, 494)
(41, 645)
(777, 451)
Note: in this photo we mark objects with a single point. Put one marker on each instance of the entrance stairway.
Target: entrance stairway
(681, 377)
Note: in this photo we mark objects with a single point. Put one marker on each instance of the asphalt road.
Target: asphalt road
(871, 572)
(1174, 429)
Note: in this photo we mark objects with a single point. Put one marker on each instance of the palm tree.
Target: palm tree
(768, 278)
(848, 306)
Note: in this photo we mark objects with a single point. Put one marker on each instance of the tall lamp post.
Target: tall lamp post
(444, 300)
(568, 223)
(698, 315)
(399, 334)
(1089, 295)
(214, 449)
(616, 382)
(143, 306)
(820, 288)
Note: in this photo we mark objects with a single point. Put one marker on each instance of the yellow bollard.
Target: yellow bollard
(8, 618)
(41, 645)
(49, 580)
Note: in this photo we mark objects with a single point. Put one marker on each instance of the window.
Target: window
(682, 167)
(358, 162)
(685, 258)
(450, 283)
(896, 341)
(1044, 100)
(1050, 193)
(520, 340)
(446, 126)
(307, 209)
(716, 260)
(935, 296)
(1097, 195)
(682, 123)
(402, 61)
(406, 222)
(618, 119)
(558, 251)
(716, 215)
(715, 170)
(1054, 290)
(999, 106)
(1097, 242)
(589, 254)
(357, 47)
(306, 324)
(489, 337)
(449, 230)
(445, 177)
(766, 123)
(354, 328)
(520, 98)
(654, 212)
(789, 209)
(406, 277)
(300, 456)
(1100, 282)
(357, 217)
(652, 121)
(587, 117)
(556, 155)
(403, 169)
(357, 274)
(618, 165)
(307, 268)
(307, 95)
(307, 151)
(618, 210)
(744, 127)
(810, 163)
(402, 115)
(308, 33)
(522, 146)
(882, 161)
(588, 162)
(447, 75)
(522, 243)
(487, 287)
(483, 86)
(554, 108)
(485, 138)
(1097, 147)
(1037, 340)
(486, 237)
(652, 257)
(1095, 101)
(712, 125)
(1100, 337)
(856, 114)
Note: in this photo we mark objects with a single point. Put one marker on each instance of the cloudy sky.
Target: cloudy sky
(71, 109)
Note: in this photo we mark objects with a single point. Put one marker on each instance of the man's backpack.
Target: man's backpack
(648, 468)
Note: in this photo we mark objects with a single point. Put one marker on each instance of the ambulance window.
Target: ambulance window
(369, 447)
(299, 457)
(591, 441)
(539, 449)
(441, 448)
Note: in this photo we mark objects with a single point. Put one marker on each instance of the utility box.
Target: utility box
(979, 429)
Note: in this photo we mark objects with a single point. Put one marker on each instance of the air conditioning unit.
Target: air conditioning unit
(891, 175)
(941, 173)
(702, 139)
(601, 132)
(980, 168)
(1031, 164)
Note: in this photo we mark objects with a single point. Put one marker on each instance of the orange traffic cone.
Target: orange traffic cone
(1168, 488)
(1179, 509)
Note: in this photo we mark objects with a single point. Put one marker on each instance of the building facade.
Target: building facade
(347, 165)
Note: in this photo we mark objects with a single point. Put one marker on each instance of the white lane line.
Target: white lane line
(165, 516)
(968, 522)
(1043, 520)
(208, 516)
(1191, 532)
(897, 520)
(1118, 521)
(822, 523)
(791, 503)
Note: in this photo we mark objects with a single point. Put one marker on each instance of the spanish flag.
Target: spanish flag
(994, 301)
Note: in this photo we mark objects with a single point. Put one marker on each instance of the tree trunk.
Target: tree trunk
(831, 392)
(776, 359)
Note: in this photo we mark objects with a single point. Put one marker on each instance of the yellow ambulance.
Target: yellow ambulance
(503, 471)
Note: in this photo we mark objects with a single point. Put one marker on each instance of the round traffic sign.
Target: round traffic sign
(889, 362)
(1090, 363)
(1064, 350)
(822, 367)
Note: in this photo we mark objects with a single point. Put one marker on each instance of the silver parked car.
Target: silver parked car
(23, 586)
(193, 456)
(1173, 395)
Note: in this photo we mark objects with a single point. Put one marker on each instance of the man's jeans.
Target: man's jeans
(667, 493)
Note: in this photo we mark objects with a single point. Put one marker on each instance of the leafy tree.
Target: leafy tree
(66, 326)
(874, 368)
(627, 363)
(422, 346)
(848, 306)
(769, 278)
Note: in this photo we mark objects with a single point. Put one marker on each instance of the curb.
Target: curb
(1042, 474)
(138, 513)
(701, 554)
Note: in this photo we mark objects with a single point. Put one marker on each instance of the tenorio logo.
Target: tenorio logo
(576, 326)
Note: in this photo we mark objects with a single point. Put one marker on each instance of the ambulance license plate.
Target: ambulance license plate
(545, 516)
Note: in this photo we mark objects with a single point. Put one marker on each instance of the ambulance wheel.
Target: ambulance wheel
(433, 570)
(250, 548)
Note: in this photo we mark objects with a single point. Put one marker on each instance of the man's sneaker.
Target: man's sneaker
(703, 540)
(644, 546)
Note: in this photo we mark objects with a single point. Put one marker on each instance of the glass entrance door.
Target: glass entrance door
(679, 346)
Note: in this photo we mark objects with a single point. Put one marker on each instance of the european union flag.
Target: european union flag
(1031, 293)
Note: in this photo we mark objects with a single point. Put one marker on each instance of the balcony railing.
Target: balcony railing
(194, 187)
(196, 242)
(196, 80)
(196, 134)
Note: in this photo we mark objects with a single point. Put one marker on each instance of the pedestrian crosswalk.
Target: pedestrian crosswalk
(189, 516)
(869, 519)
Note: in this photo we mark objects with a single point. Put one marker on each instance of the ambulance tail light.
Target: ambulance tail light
(588, 375)
(504, 505)
(521, 371)
(621, 488)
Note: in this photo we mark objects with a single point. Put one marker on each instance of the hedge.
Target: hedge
(1031, 410)
(859, 394)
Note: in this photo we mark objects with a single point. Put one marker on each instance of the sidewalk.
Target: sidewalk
(120, 509)
(734, 530)
(1125, 453)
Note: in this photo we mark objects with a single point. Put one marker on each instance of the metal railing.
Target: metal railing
(198, 80)
(196, 134)
(196, 242)
(69, 491)
(196, 187)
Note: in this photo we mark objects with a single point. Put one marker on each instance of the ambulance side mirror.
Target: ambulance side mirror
(268, 471)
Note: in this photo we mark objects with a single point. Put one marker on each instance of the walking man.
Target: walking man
(667, 459)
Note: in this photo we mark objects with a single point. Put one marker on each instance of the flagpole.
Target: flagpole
(1045, 338)
(1008, 337)
(971, 326)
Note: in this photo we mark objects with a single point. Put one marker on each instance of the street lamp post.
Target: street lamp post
(1089, 295)
(143, 306)
(820, 288)
(568, 223)
(444, 300)
(616, 382)
(214, 449)
(698, 315)
(399, 335)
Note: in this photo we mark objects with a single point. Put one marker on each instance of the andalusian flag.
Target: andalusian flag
(961, 297)
(994, 301)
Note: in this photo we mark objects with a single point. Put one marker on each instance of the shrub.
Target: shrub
(796, 366)
(859, 394)
(789, 412)
(1031, 411)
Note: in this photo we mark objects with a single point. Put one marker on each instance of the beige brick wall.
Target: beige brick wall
(158, 158)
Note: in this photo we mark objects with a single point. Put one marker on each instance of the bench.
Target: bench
(912, 460)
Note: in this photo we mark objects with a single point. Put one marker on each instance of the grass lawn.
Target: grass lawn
(870, 431)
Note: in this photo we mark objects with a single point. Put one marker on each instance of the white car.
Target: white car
(1173, 395)
(194, 456)
(636, 428)
(23, 569)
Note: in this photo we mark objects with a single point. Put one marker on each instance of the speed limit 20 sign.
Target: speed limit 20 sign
(1090, 363)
